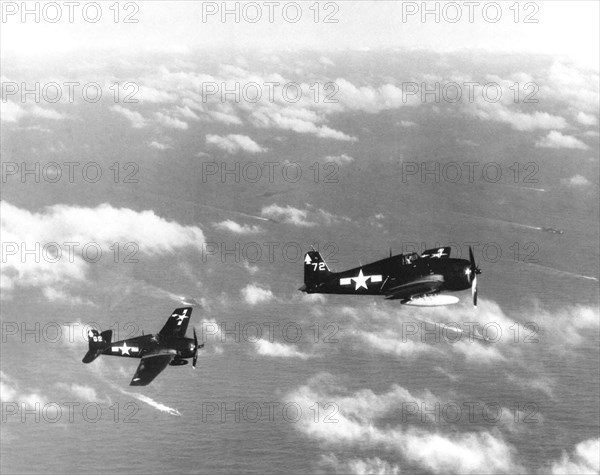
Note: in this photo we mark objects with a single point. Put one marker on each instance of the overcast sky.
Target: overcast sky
(562, 28)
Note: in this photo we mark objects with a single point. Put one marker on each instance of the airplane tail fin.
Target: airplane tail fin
(315, 271)
(98, 343)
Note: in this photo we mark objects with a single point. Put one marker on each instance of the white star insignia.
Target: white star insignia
(468, 271)
(361, 280)
(125, 349)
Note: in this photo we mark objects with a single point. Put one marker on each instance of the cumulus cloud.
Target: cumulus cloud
(171, 122)
(373, 99)
(297, 119)
(407, 123)
(158, 145)
(12, 112)
(555, 139)
(360, 422)
(154, 96)
(137, 120)
(576, 180)
(275, 349)
(43, 113)
(253, 294)
(52, 229)
(234, 143)
(232, 226)
(224, 117)
(587, 119)
(287, 214)
(82, 392)
(517, 120)
(11, 391)
(575, 86)
(388, 341)
(339, 159)
(331, 463)
(585, 459)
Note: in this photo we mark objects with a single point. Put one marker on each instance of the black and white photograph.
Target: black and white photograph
(300, 237)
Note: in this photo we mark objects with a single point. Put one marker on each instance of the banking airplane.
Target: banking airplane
(168, 347)
(412, 279)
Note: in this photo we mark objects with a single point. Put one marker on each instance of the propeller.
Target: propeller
(195, 350)
(473, 276)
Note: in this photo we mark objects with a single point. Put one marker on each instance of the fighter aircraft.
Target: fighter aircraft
(412, 279)
(167, 347)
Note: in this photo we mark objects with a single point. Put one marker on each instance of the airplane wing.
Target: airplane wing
(151, 366)
(177, 323)
(421, 286)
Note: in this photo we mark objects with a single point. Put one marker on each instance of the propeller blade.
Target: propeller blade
(474, 290)
(195, 350)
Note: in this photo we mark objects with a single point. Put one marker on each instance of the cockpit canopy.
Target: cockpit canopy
(409, 258)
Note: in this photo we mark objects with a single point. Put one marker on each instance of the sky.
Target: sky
(178, 184)
(559, 28)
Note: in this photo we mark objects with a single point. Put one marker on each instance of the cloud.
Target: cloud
(253, 294)
(136, 119)
(587, 119)
(288, 214)
(297, 119)
(154, 96)
(250, 268)
(233, 143)
(339, 159)
(372, 99)
(42, 113)
(82, 392)
(360, 420)
(332, 464)
(48, 233)
(186, 112)
(517, 120)
(389, 342)
(225, 118)
(407, 123)
(59, 295)
(267, 348)
(478, 353)
(171, 122)
(12, 112)
(11, 392)
(585, 459)
(576, 180)
(574, 86)
(230, 225)
(555, 139)
(159, 145)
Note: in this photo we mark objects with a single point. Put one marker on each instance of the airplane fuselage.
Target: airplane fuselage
(139, 346)
(378, 277)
